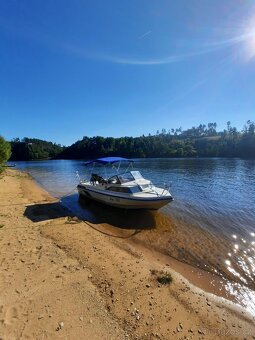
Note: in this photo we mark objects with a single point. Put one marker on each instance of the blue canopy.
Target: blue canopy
(108, 160)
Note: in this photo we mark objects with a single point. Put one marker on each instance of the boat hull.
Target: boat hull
(124, 202)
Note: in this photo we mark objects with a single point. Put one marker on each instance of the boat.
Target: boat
(124, 189)
(10, 165)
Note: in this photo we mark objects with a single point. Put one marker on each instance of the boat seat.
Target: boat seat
(96, 178)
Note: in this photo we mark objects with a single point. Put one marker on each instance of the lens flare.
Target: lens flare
(249, 34)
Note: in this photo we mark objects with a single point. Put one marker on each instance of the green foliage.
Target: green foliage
(34, 149)
(165, 278)
(5, 151)
(201, 141)
(139, 147)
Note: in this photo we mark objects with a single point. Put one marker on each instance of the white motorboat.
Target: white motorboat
(128, 189)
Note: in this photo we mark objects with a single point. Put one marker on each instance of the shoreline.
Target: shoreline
(71, 262)
(198, 277)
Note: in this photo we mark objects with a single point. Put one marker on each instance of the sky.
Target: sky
(74, 68)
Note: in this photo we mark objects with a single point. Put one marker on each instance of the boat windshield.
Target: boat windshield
(130, 176)
(136, 174)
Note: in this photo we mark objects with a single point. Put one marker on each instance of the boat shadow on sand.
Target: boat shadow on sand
(41, 212)
(105, 219)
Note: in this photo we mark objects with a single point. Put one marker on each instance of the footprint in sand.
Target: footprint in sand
(11, 315)
(1, 312)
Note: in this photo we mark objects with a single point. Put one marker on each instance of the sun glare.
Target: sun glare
(249, 37)
(251, 47)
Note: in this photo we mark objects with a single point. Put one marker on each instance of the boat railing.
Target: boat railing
(164, 186)
(77, 175)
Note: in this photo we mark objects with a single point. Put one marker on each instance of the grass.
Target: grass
(164, 278)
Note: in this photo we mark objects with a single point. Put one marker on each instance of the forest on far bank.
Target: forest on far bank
(201, 141)
(33, 149)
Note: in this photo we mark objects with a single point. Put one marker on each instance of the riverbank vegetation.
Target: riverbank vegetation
(5, 152)
(201, 141)
(34, 149)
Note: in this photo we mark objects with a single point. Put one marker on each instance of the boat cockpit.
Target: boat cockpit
(123, 178)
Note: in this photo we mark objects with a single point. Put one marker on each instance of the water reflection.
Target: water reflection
(242, 264)
(242, 295)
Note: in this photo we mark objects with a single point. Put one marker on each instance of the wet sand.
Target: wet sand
(63, 278)
(187, 249)
(186, 242)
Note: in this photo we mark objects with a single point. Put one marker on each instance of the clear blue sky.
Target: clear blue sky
(70, 68)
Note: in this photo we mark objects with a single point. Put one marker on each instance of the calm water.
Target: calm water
(211, 223)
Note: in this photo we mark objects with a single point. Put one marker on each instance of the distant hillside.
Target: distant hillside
(33, 149)
(201, 141)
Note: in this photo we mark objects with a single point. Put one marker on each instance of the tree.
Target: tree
(33, 149)
(228, 126)
(211, 129)
(5, 151)
(251, 127)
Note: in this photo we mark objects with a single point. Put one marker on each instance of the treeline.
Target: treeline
(201, 141)
(33, 149)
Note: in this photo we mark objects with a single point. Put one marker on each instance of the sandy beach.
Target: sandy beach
(62, 278)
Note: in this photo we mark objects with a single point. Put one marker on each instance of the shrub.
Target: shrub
(5, 151)
(165, 278)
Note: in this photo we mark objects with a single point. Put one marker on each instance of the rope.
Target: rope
(69, 193)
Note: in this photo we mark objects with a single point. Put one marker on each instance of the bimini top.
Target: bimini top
(109, 160)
